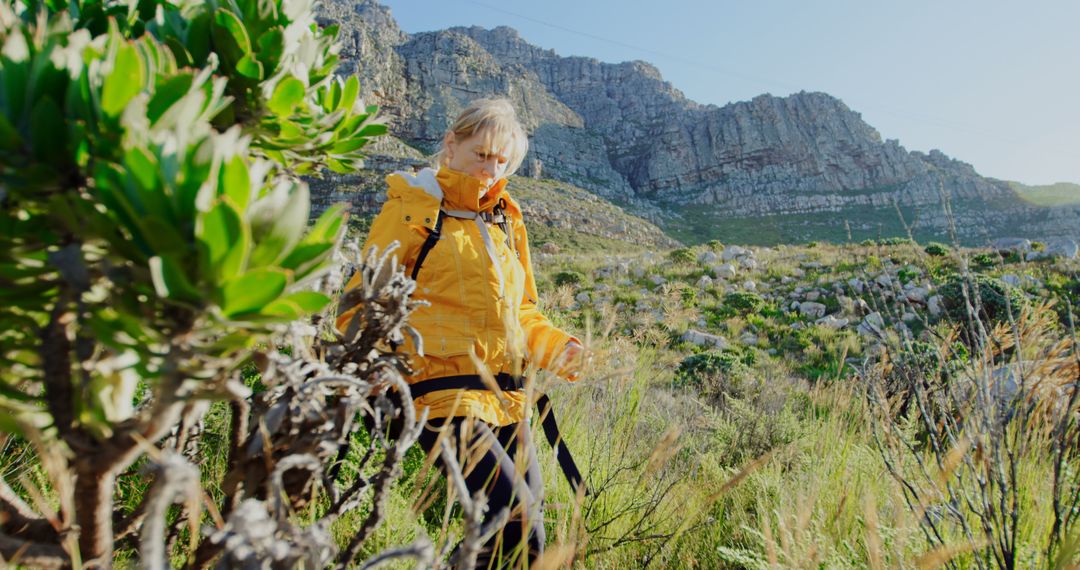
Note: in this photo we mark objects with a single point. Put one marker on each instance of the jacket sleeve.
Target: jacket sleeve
(545, 341)
(389, 226)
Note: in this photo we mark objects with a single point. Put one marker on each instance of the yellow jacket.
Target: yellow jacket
(475, 304)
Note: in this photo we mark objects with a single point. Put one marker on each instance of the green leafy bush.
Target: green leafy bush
(992, 298)
(937, 249)
(744, 302)
(153, 226)
(984, 260)
(681, 255)
(702, 369)
(568, 278)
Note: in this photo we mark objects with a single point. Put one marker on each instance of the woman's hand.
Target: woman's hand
(571, 362)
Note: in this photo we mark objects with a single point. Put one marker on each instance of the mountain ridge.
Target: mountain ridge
(623, 132)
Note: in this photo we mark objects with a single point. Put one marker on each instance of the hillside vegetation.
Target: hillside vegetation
(790, 407)
(1060, 194)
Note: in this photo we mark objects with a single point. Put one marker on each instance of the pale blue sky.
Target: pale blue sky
(995, 83)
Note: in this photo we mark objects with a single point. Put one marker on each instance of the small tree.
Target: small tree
(153, 231)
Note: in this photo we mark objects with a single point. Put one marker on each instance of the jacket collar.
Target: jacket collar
(462, 192)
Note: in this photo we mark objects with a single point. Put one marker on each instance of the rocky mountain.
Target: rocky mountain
(806, 162)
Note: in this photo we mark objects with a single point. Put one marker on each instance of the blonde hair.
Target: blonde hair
(497, 121)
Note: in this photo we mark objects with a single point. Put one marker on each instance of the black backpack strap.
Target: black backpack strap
(433, 238)
(511, 383)
(499, 212)
(506, 383)
(558, 446)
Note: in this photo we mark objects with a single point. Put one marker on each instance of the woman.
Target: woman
(452, 224)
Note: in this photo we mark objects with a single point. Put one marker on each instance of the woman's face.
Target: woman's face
(476, 157)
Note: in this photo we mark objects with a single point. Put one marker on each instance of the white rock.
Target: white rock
(812, 295)
(583, 298)
(872, 325)
(732, 252)
(1062, 247)
(707, 258)
(725, 271)
(884, 280)
(749, 339)
(1011, 279)
(935, 306)
(812, 310)
(917, 294)
(704, 282)
(1008, 245)
(786, 280)
(657, 279)
(748, 263)
(798, 273)
(908, 317)
(856, 284)
(832, 322)
(699, 338)
(749, 285)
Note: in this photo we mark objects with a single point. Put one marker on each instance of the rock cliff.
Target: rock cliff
(622, 132)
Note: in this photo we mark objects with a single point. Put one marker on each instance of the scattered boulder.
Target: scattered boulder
(550, 248)
(856, 285)
(832, 322)
(1011, 245)
(812, 310)
(935, 306)
(873, 325)
(1062, 247)
(699, 338)
(812, 295)
(748, 263)
(725, 271)
(734, 252)
(908, 317)
(657, 279)
(708, 258)
(583, 298)
(749, 285)
(917, 294)
(704, 282)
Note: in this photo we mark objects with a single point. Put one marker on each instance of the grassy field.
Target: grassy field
(770, 451)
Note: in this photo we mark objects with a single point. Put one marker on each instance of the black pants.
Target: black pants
(501, 463)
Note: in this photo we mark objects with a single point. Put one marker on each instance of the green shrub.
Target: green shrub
(715, 245)
(702, 369)
(937, 249)
(682, 255)
(688, 295)
(744, 302)
(991, 296)
(984, 260)
(867, 242)
(568, 278)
